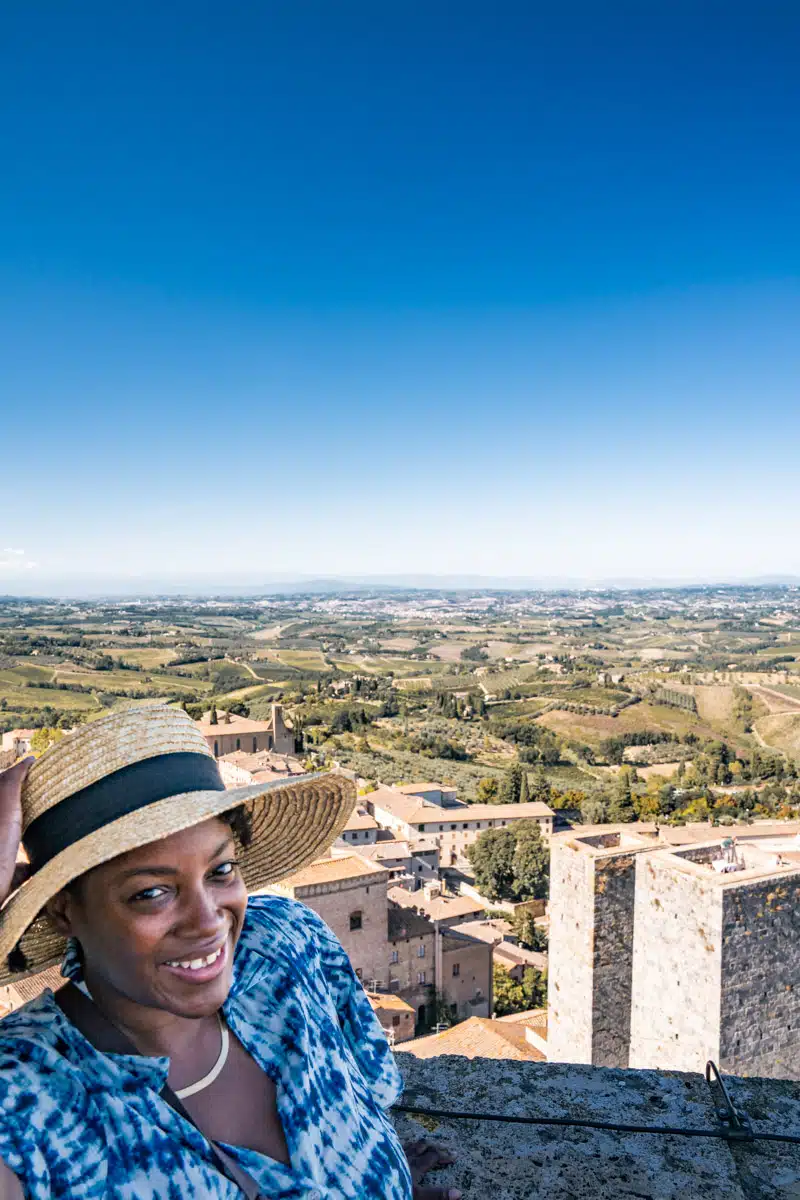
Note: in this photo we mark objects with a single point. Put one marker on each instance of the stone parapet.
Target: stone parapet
(505, 1161)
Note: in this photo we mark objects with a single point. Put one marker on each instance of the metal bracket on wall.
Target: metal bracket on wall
(734, 1121)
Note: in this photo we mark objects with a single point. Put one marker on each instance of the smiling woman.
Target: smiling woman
(207, 1043)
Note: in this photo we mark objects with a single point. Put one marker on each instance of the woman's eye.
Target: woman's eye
(152, 893)
(224, 870)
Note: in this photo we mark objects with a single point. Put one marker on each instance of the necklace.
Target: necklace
(208, 1079)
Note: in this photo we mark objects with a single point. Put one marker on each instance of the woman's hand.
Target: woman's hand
(427, 1156)
(12, 873)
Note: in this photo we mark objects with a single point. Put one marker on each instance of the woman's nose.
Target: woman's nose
(201, 914)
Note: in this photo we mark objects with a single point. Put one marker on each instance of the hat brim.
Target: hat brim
(293, 822)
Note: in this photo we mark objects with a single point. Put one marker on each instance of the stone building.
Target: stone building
(667, 956)
(592, 891)
(445, 911)
(435, 812)
(240, 733)
(425, 961)
(239, 768)
(17, 742)
(349, 894)
(398, 1019)
(361, 829)
(716, 958)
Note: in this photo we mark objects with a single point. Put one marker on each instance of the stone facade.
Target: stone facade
(232, 733)
(466, 975)
(349, 894)
(592, 891)
(716, 965)
(760, 1009)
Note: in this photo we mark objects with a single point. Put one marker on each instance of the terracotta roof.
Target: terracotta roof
(515, 956)
(438, 908)
(389, 1003)
(236, 725)
(381, 851)
(533, 1018)
(413, 789)
(24, 990)
(404, 922)
(20, 733)
(486, 931)
(361, 819)
(333, 870)
(477, 1037)
(418, 812)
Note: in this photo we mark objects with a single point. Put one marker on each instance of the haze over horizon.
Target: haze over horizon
(303, 292)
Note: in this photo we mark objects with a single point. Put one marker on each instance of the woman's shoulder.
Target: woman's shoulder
(33, 1052)
(286, 920)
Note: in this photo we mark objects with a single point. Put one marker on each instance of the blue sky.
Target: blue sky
(311, 289)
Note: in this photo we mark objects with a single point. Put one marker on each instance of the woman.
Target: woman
(207, 1045)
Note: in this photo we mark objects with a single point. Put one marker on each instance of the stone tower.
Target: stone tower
(592, 891)
(716, 960)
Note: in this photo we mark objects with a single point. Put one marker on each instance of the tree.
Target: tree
(523, 789)
(43, 738)
(512, 995)
(613, 749)
(487, 790)
(531, 863)
(621, 807)
(541, 789)
(594, 810)
(492, 859)
(530, 935)
(511, 785)
(213, 719)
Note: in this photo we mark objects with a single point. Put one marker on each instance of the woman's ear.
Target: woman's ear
(59, 910)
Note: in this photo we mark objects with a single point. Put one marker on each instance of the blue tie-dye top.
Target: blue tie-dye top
(82, 1124)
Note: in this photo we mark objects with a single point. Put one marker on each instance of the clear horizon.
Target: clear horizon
(314, 293)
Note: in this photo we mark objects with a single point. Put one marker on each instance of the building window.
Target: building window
(216, 749)
(395, 1021)
(355, 920)
(421, 950)
(359, 972)
(491, 824)
(441, 827)
(238, 743)
(422, 828)
(456, 970)
(452, 826)
(395, 957)
(420, 976)
(254, 745)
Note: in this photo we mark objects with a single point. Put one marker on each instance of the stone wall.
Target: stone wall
(571, 951)
(365, 947)
(760, 1006)
(614, 893)
(675, 1013)
(529, 1162)
(469, 992)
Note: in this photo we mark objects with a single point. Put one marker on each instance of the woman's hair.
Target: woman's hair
(241, 824)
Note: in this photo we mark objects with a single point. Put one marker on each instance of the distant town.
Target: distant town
(577, 830)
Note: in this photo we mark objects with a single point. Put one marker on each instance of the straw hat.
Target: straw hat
(135, 777)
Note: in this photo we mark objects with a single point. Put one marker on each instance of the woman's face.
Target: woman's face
(159, 925)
